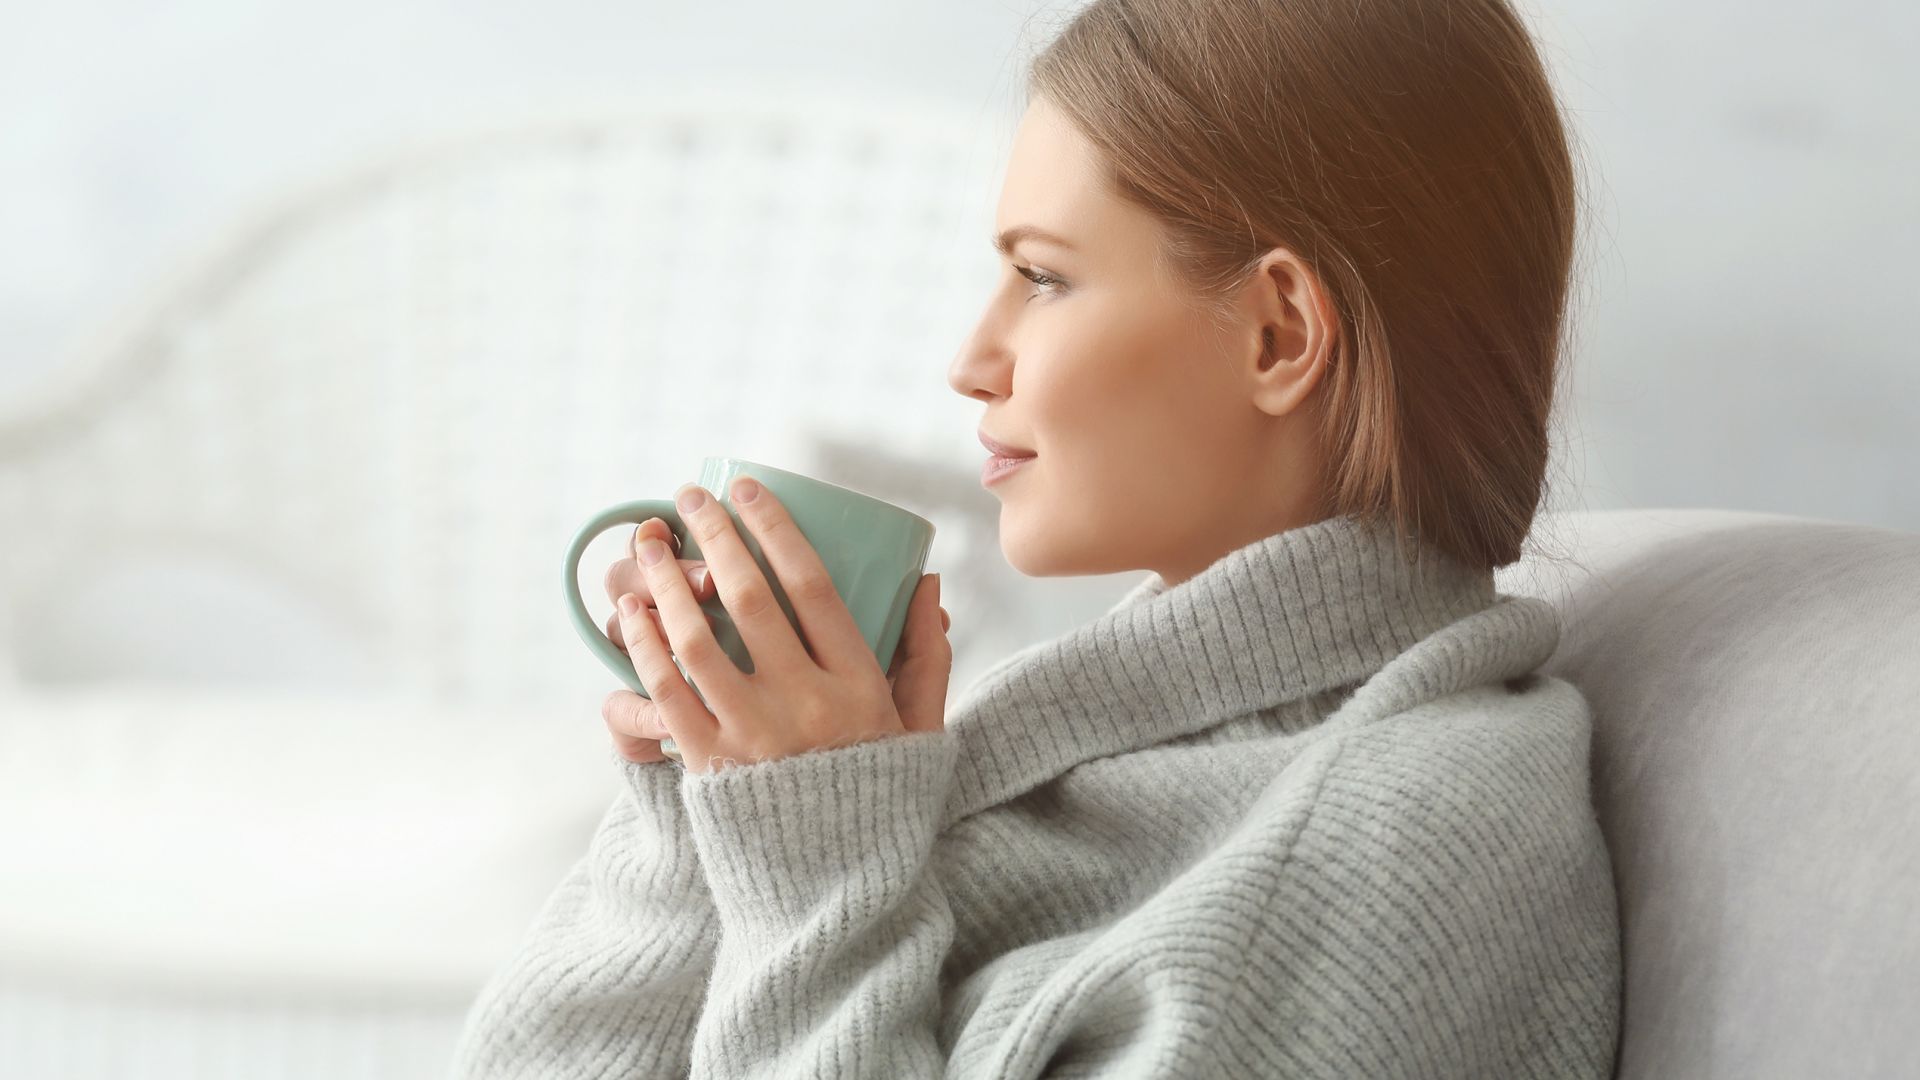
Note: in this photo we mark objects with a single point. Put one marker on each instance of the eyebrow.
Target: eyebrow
(1005, 241)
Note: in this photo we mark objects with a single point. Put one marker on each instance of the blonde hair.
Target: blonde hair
(1413, 154)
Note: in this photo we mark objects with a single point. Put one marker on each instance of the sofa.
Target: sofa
(1755, 685)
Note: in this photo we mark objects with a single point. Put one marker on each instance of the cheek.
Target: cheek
(1109, 392)
(1095, 383)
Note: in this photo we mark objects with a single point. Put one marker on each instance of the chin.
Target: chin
(1041, 545)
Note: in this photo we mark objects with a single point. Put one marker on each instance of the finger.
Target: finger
(656, 528)
(742, 586)
(624, 576)
(659, 530)
(638, 751)
(689, 633)
(633, 716)
(652, 648)
(922, 594)
(634, 725)
(833, 636)
(920, 686)
(619, 639)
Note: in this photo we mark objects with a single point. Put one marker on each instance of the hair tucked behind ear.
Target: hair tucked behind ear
(1413, 154)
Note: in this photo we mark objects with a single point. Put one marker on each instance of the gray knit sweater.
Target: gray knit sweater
(1305, 814)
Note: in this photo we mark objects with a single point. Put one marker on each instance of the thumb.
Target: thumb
(920, 681)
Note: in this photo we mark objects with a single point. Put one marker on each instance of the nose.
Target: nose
(978, 370)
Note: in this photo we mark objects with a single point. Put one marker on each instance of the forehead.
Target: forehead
(1055, 185)
(1052, 183)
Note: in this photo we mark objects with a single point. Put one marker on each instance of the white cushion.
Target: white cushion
(259, 839)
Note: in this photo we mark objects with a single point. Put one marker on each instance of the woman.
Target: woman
(1299, 804)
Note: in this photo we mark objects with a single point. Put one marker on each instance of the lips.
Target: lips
(998, 467)
(1001, 449)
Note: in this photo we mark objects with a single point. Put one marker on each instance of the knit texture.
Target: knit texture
(1305, 814)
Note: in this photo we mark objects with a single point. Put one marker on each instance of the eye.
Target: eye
(1042, 280)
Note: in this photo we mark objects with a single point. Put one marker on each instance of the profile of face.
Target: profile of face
(1162, 440)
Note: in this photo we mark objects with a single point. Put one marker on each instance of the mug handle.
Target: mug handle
(628, 513)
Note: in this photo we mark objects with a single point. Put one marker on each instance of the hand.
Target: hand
(826, 691)
(631, 738)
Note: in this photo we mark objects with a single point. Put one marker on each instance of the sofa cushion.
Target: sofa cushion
(1754, 681)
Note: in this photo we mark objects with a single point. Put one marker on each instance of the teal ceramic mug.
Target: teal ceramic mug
(874, 551)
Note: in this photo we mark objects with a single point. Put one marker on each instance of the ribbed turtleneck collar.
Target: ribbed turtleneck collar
(1285, 617)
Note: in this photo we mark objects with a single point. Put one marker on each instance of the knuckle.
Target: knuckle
(699, 652)
(633, 722)
(751, 601)
(813, 587)
(710, 526)
(662, 688)
(822, 718)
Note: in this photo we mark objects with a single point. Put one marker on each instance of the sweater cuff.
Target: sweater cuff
(655, 784)
(651, 828)
(779, 838)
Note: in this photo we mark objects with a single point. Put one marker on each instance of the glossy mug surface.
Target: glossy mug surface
(874, 551)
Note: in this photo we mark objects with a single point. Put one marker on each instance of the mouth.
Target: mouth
(998, 466)
(1000, 449)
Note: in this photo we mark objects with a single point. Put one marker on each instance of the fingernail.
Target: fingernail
(651, 550)
(699, 577)
(629, 603)
(744, 489)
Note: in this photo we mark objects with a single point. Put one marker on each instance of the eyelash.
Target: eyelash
(1043, 280)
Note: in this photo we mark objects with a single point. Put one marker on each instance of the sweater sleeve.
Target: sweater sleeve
(833, 927)
(610, 978)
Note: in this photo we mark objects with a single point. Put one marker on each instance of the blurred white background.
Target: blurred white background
(1739, 345)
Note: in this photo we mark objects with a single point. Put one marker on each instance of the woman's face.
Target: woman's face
(1161, 444)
